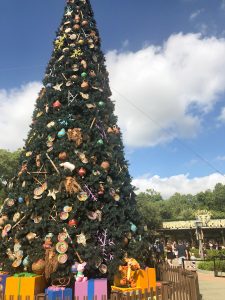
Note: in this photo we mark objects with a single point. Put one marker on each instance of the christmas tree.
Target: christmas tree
(72, 199)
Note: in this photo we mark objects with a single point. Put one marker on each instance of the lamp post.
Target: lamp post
(199, 236)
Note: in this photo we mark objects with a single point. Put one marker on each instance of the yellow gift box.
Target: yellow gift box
(23, 285)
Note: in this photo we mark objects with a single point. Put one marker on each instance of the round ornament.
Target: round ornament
(10, 202)
(84, 74)
(28, 154)
(84, 23)
(38, 267)
(37, 220)
(61, 247)
(72, 223)
(67, 209)
(62, 236)
(76, 27)
(105, 165)
(103, 269)
(100, 142)
(63, 156)
(56, 104)
(20, 200)
(51, 124)
(64, 216)
(101, 104)
(82, 196)
(82, 172)
(61, 133)
(62, 258)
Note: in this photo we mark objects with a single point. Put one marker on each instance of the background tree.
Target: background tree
(9, 162)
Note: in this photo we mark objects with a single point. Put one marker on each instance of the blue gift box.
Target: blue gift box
(59, 293)
(3, 277)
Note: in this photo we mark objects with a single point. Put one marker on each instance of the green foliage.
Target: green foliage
(8, 164)
(155, 209)
(209, 265)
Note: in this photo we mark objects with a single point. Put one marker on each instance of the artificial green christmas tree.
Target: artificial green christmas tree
(72, 198)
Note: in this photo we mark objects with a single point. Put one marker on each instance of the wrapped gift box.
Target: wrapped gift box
(3, 277)
(91, 288)
(59, 293)
(23, 285)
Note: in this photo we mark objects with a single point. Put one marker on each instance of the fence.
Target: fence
(176, 284)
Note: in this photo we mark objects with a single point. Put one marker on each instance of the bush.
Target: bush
(209, 265)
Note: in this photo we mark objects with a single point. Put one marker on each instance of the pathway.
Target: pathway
(211, 288)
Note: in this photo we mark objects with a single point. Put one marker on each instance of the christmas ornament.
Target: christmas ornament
(31, 236)
(81, 239)
(101, 104)
(64, 216)
(38, 267)
(133, 227)
(62, 258)
(71, 185)
(85, 85)
(82, 196)
(76, 53)
(105, 165)
(58, 86)
(51, 138)
(95, 215)
(51, 124)
(9, 202)
(52, 193)
(26, 262)
(77, 18)
(82, 172)
(62, 236)
(84, 74)
(75, 135)
(61, 247)
(74, 268)
(83, 158)
(100, 142)
(103, 269)
(84, 64)
(92, 73)
(72, 223)
(16, 217)
(29, 153)
(61, 133)
(80, 270)
(76, 27)
(67, 209)
(68, 166)
(20, 200)
(84, 23)
(63, 155)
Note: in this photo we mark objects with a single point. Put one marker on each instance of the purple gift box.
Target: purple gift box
(91, 288)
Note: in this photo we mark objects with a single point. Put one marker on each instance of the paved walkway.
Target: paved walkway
(211, 288)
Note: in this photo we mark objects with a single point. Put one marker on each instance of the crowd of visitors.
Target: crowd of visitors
(181, 251)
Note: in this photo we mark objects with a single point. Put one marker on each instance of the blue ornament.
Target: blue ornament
(133, 227)
(74, 268)
(61, 133)
(63, 122)
(20, 200)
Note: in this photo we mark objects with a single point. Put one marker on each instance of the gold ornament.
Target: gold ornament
(75, 136)
(76, 53)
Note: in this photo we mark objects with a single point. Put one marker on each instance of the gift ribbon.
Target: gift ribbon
(57, 289)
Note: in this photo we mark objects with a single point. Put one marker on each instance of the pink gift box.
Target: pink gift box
(91, 288)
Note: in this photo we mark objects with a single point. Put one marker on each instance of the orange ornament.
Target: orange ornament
(105, 165)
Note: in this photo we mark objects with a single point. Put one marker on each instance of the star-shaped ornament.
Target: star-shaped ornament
(81, 239)
(57, 87)
(52, 193)
(69, 12)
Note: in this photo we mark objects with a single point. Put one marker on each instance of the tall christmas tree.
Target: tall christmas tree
(72, 199)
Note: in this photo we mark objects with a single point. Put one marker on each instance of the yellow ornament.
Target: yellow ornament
(77, 53)
(60, 42)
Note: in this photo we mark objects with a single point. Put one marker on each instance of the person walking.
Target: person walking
(181, 252)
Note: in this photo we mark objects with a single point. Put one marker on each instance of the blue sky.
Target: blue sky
(178, 136)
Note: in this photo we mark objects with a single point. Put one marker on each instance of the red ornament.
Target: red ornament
(82, 172)
(105, 165)
(73, 222)
(57, 104)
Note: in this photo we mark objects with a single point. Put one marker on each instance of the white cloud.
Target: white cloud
(221, 117)
(16, 107)
(165, 82)
(195, 14)
(178, 184)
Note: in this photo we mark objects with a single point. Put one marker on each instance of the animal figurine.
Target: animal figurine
(80, 270)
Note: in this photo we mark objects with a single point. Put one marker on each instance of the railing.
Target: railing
(183, 280)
